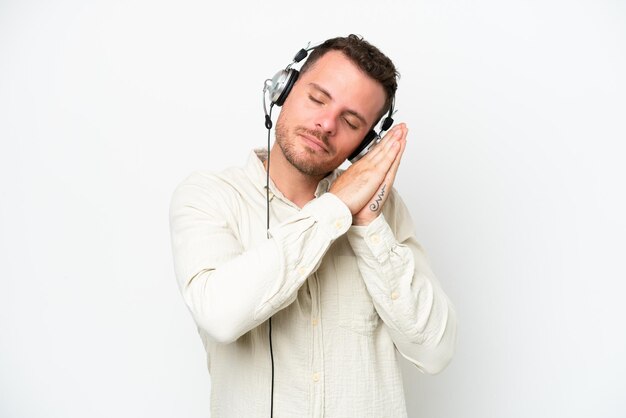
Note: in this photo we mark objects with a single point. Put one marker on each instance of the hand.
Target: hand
(365, 186)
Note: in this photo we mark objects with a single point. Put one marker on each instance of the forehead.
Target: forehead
(347, 84)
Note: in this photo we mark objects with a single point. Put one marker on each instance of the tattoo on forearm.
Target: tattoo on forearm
(376, 204)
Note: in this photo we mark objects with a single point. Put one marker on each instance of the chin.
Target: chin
(314, 163)
(309, 163)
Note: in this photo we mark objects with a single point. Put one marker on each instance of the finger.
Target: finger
(382, 161)
(393, 170)
(376, 149)
(402, 142)
(387, 151)
(397, 133)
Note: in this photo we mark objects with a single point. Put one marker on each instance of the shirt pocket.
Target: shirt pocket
(355, 306)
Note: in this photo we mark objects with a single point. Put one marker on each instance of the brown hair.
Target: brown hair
(365, 56)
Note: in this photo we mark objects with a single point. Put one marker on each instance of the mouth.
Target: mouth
(313, 143)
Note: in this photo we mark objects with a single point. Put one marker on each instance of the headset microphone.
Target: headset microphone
(301, 54)
(268, 121)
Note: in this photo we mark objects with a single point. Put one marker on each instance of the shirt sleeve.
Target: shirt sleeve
(228, 289)
(408, 297)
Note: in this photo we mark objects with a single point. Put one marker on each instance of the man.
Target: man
(340, 273)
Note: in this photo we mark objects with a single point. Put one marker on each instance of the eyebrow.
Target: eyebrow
(349, 111)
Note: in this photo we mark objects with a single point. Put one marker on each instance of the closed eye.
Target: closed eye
(352, 126)
(313, 99)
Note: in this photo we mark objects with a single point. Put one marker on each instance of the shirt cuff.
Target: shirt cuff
(375, 240)
(330, 213)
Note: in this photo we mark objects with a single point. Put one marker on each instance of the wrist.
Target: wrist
(364, 220)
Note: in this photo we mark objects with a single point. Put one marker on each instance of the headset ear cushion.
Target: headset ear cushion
(293, 76)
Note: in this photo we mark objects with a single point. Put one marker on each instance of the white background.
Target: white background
(514, 174)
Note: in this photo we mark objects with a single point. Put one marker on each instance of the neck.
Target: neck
(296, 186)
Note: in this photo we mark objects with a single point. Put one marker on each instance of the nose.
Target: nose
(326, 121)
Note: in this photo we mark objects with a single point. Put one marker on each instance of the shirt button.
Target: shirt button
(314, 321)
(394, 295)
(301, 271)
(375, 239)
(316, 377)
(338, 224)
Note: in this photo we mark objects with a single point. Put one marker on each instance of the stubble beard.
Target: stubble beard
(288, 146)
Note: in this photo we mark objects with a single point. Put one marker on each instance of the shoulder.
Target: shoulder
(212, 181)
(209, 189)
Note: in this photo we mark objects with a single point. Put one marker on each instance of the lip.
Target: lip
(313, 142)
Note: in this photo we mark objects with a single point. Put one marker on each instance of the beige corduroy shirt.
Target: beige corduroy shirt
(343, 299)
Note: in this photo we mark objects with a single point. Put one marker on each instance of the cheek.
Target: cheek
(289, 113)
(355, 142)
(348, 146)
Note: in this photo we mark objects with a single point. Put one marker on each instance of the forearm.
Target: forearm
(407, 296)
(230, 291)
(224, 300)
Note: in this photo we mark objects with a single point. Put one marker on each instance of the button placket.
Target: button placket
(317, 366)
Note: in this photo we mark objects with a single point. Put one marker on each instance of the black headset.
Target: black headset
(278, 87)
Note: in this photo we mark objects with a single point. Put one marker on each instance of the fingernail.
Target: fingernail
(397, 133)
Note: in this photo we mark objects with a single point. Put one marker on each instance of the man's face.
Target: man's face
(327, 114)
